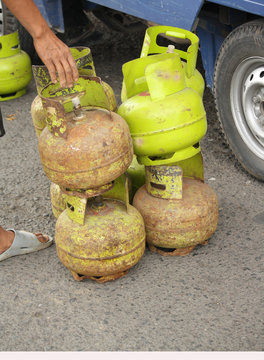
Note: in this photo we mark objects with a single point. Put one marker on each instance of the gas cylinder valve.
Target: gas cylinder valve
(98, 203)
(170, 49)
(77, 109)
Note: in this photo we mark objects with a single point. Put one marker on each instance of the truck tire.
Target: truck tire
(239, 94)
(9, 24)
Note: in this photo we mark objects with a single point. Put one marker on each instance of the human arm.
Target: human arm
(52, 51)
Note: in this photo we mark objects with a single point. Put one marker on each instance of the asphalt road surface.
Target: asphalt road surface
(211, 299)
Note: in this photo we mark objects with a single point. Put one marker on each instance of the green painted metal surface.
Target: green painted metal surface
(164, 182)
(15, 68)
(134, 70)
(167, 119)
(162, 100)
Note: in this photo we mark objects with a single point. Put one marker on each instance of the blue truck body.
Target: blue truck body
(186, 14)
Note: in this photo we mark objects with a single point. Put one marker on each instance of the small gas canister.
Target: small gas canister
(15, 68)
(179, 212)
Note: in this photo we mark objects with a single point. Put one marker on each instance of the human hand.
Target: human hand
(57, 57)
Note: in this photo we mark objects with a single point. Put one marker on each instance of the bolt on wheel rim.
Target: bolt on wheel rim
(247, 103)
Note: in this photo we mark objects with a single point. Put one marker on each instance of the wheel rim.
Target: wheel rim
(247, 103)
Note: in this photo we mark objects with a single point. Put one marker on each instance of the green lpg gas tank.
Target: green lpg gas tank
(15, 68)
(180, 39)
(166, 117)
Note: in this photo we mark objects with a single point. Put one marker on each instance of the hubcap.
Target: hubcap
(247, 103)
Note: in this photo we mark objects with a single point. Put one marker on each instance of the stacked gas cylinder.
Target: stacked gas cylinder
(162, 104)
(85, 149)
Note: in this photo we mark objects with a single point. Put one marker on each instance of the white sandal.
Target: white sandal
(24, 243)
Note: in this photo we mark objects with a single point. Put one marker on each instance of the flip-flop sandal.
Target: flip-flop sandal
(24, 243)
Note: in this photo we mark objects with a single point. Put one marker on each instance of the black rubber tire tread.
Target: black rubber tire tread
(244, 41)
(9, 21)
(11, 24)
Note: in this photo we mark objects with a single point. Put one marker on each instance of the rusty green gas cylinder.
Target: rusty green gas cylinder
(106, 246)
(15, 68)
(85, 65)
(97, 150)
(57, 201)
(83, 148)
(117, 192)
(39, 116)
(178, 214)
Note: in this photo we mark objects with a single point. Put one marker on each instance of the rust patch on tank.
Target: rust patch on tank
(99, 279)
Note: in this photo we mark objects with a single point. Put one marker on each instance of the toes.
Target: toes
(42, 238)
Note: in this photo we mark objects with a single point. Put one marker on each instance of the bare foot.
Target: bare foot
(6, 239)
